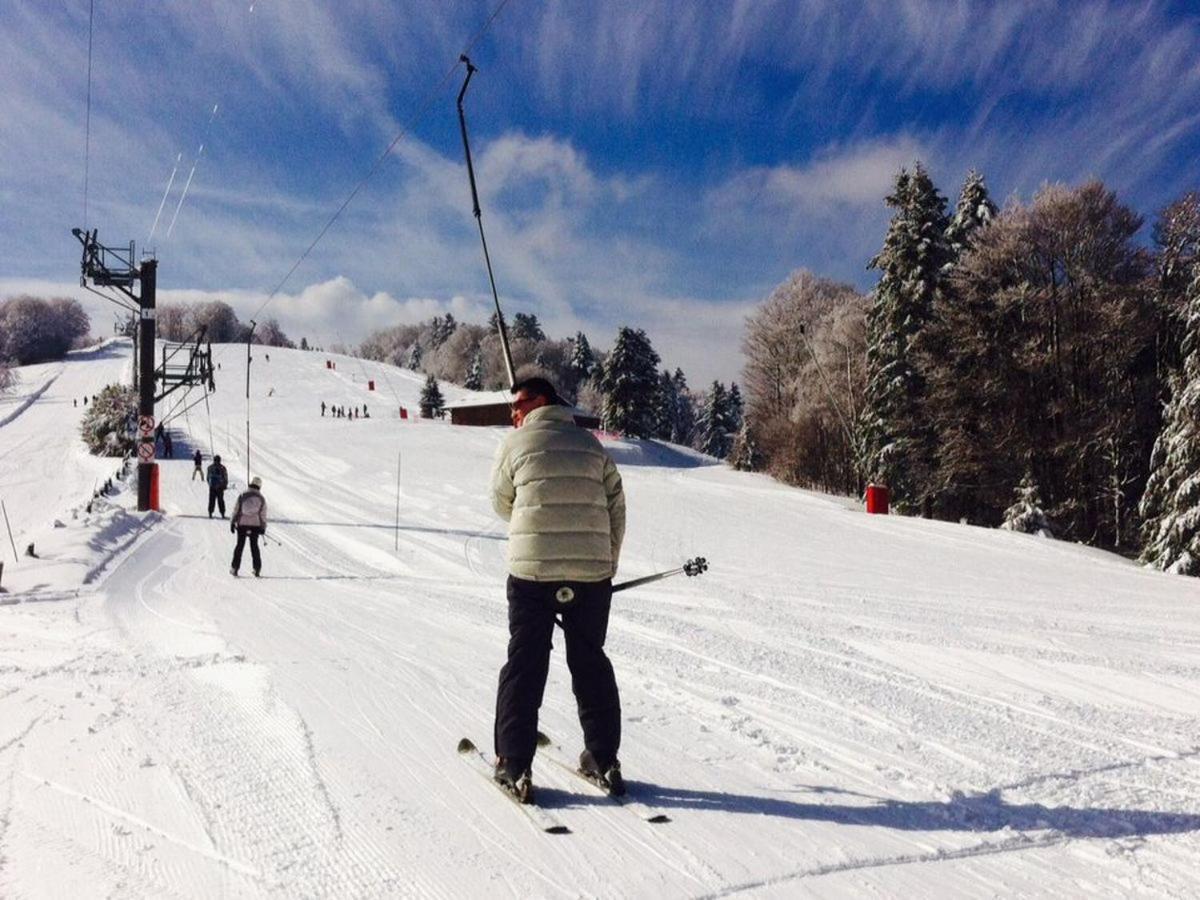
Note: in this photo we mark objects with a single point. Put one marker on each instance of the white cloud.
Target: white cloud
(836, 179)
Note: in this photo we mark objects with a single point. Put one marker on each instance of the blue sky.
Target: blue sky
(652, 163)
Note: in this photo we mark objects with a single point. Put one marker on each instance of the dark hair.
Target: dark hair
(539, 387)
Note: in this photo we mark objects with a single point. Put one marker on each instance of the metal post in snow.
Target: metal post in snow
(248, 337)
(149, 277)
(398, 455)
(9, 527)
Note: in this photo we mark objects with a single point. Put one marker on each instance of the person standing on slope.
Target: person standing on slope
(561, 493)
(218, 481)
(249, 520)
(198, 459)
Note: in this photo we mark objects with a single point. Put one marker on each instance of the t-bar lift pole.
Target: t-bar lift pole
(462, 121)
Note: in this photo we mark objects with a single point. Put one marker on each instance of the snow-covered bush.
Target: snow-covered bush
(1026, 515)
(108, 425)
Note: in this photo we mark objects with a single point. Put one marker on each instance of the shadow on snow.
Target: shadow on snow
(986, 812)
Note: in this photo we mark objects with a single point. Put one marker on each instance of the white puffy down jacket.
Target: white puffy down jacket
(561, 494)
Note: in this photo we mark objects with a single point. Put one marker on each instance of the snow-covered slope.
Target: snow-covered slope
(843, 704)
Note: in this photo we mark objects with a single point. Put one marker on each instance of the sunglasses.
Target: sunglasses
(521, 402)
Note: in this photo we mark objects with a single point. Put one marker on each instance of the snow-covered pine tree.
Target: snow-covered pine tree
(1026, 515)
(474, 380)
(108, 425)
(628, 384)
(744, 455)
(735, 409)
(685, 416)
(526, 327)
(440, 329)
(711, 434)
(944, 349)
(414, 356)
(1170, 506)
(432, 403)
(898, 440)
(974, 210)
(583, 360)
(666, 405)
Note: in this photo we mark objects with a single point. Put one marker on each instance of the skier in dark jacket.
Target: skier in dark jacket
(218, 481)
(198, 459)
(249, 520)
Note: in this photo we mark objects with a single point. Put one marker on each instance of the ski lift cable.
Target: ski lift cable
(422, 110)
(128, 307)
(175, 415)
(87, 140)
(219, 96)
(174, 406)
(208, 412)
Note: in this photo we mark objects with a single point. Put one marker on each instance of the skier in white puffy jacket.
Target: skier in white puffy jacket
(561, 493)
(249, 520)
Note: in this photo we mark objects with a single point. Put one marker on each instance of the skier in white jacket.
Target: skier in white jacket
(249, 520)
(561, 494)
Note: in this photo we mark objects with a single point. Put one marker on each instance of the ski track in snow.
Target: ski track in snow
(843, 704)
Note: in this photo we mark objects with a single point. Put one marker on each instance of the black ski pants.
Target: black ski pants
(216, 498)
(532, 606)
(244, 532)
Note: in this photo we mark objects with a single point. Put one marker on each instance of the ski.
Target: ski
(543, 819)
(637, 807)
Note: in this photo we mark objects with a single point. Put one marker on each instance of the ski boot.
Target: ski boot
(514, 780)
(607, 778)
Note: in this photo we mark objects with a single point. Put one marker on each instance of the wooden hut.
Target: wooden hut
(493, 408)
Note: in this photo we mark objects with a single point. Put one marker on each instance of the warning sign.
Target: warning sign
(145, 426)
(146, 452)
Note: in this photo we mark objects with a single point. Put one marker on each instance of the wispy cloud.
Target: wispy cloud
(643, 162)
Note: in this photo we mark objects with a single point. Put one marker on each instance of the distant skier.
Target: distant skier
(249, 520)
(218, 481)
(322, 409)
(198, 459)
(562, 495)
(168, 445)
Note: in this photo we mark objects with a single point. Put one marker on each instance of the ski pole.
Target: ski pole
(695, 566)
